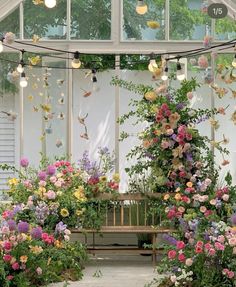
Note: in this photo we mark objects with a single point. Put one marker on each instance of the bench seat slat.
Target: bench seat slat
(125, 229)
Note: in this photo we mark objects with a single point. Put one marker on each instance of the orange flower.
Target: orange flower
(189, 184)
(23, 259)
(166, 196)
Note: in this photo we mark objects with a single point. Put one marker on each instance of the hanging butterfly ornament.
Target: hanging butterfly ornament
(86, 93)
(10, 115)
(220, 92)
(82, 122)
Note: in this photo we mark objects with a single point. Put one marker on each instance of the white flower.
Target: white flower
(173, 278)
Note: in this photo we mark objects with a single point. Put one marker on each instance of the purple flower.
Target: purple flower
(233, 219)
(51, 169)
(11, 224)
(36, 233)
(24, 162)
(180, 106)
(42, 175)
(170, 239)
(23, 227)
(17, 208)
(60, 227)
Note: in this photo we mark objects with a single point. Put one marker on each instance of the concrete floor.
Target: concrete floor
(116, 271)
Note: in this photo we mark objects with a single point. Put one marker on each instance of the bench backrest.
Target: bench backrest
(131, 210)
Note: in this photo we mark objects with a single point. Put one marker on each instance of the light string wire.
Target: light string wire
(179, 54)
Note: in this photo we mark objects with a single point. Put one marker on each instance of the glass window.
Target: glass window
(44, 22)
(11, 23)
(91, 19)
(225, 29)
(188, 20)
(149, 26)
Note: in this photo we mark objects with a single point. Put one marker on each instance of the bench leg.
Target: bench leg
(154, 239)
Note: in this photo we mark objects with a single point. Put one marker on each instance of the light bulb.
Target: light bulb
(1, 46)
(152, 66)
(141, 7)
(76, 63)
(234, 62)
(50, 3)
(180, 74)
(23, 81)
(20, 68)
(164, 76)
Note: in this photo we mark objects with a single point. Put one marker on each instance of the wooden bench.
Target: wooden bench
(128, 213)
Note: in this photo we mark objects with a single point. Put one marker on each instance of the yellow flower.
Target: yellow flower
(13, 181)
(38, 2)
(58, 244)
(166, 197)
(80, 212)
(116, 177)
(34, 60)
(189, 184)
(23, 259)
(64, 212)
(153, 24)
(36, 249)
(150, 96)
(178, 196)
(103, 178)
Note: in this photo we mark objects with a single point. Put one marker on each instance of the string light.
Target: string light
(21, 65)
(141, 7)
(23, 80)
(164, 76)
(152, 64)
(76, 63)
(234, 62)
(94, 80)
(180, 73)
(50, 3)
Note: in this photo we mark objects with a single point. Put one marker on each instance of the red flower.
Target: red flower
(198, 249)
(180, 245)
(181, 257)
(7, 245)
(15, 266)
(172, 254)
(7, 257)
(10, 277)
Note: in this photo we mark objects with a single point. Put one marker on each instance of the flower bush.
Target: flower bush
(29, 256)
(60, 191)
(178, 163)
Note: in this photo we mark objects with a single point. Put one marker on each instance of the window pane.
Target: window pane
(225, 29)
(44, 22)
(188, 21)
(11, 23)
(91, 19)
(150, 26)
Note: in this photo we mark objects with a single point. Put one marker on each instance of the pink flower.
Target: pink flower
(39, 271)
(165, 144)
(230, 274)
(24, 162)
(203, 62)
(232, 241)
(189, 262)
(7, 257)
(221, 239)
(203, 209)
(181, 257)
(212, 252)
(198, 250)
(51, 194)
(225, 197)
(7, 245)
(180, 245)
(10, 277)
(182, 174)
(172, 254)
(208, 246)
(200, 244)
(207, 213)
(219, 246)
(15, 266)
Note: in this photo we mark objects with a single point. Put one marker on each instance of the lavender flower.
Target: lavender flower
(60, 227)
(11, 224)
(23, 227)
(24, 162)
(36, 233)
(17, 208)
(42, 175)
(180, 106)
(51, 169)
(170, 239)
(41, 212)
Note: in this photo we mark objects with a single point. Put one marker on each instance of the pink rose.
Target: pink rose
(208, 246)
(181, 257)
(39, 271)
(180, 245)
(225, 197)
(172, 254)
(212, 252)
(7, 257)
(198, 250)
(189, 262)
(230, 274)
(232, 241)
(7, 245)
(15, 266)
(51, 194)
(219, 246)
(221, 239)
(10, 277)
(203, 209)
